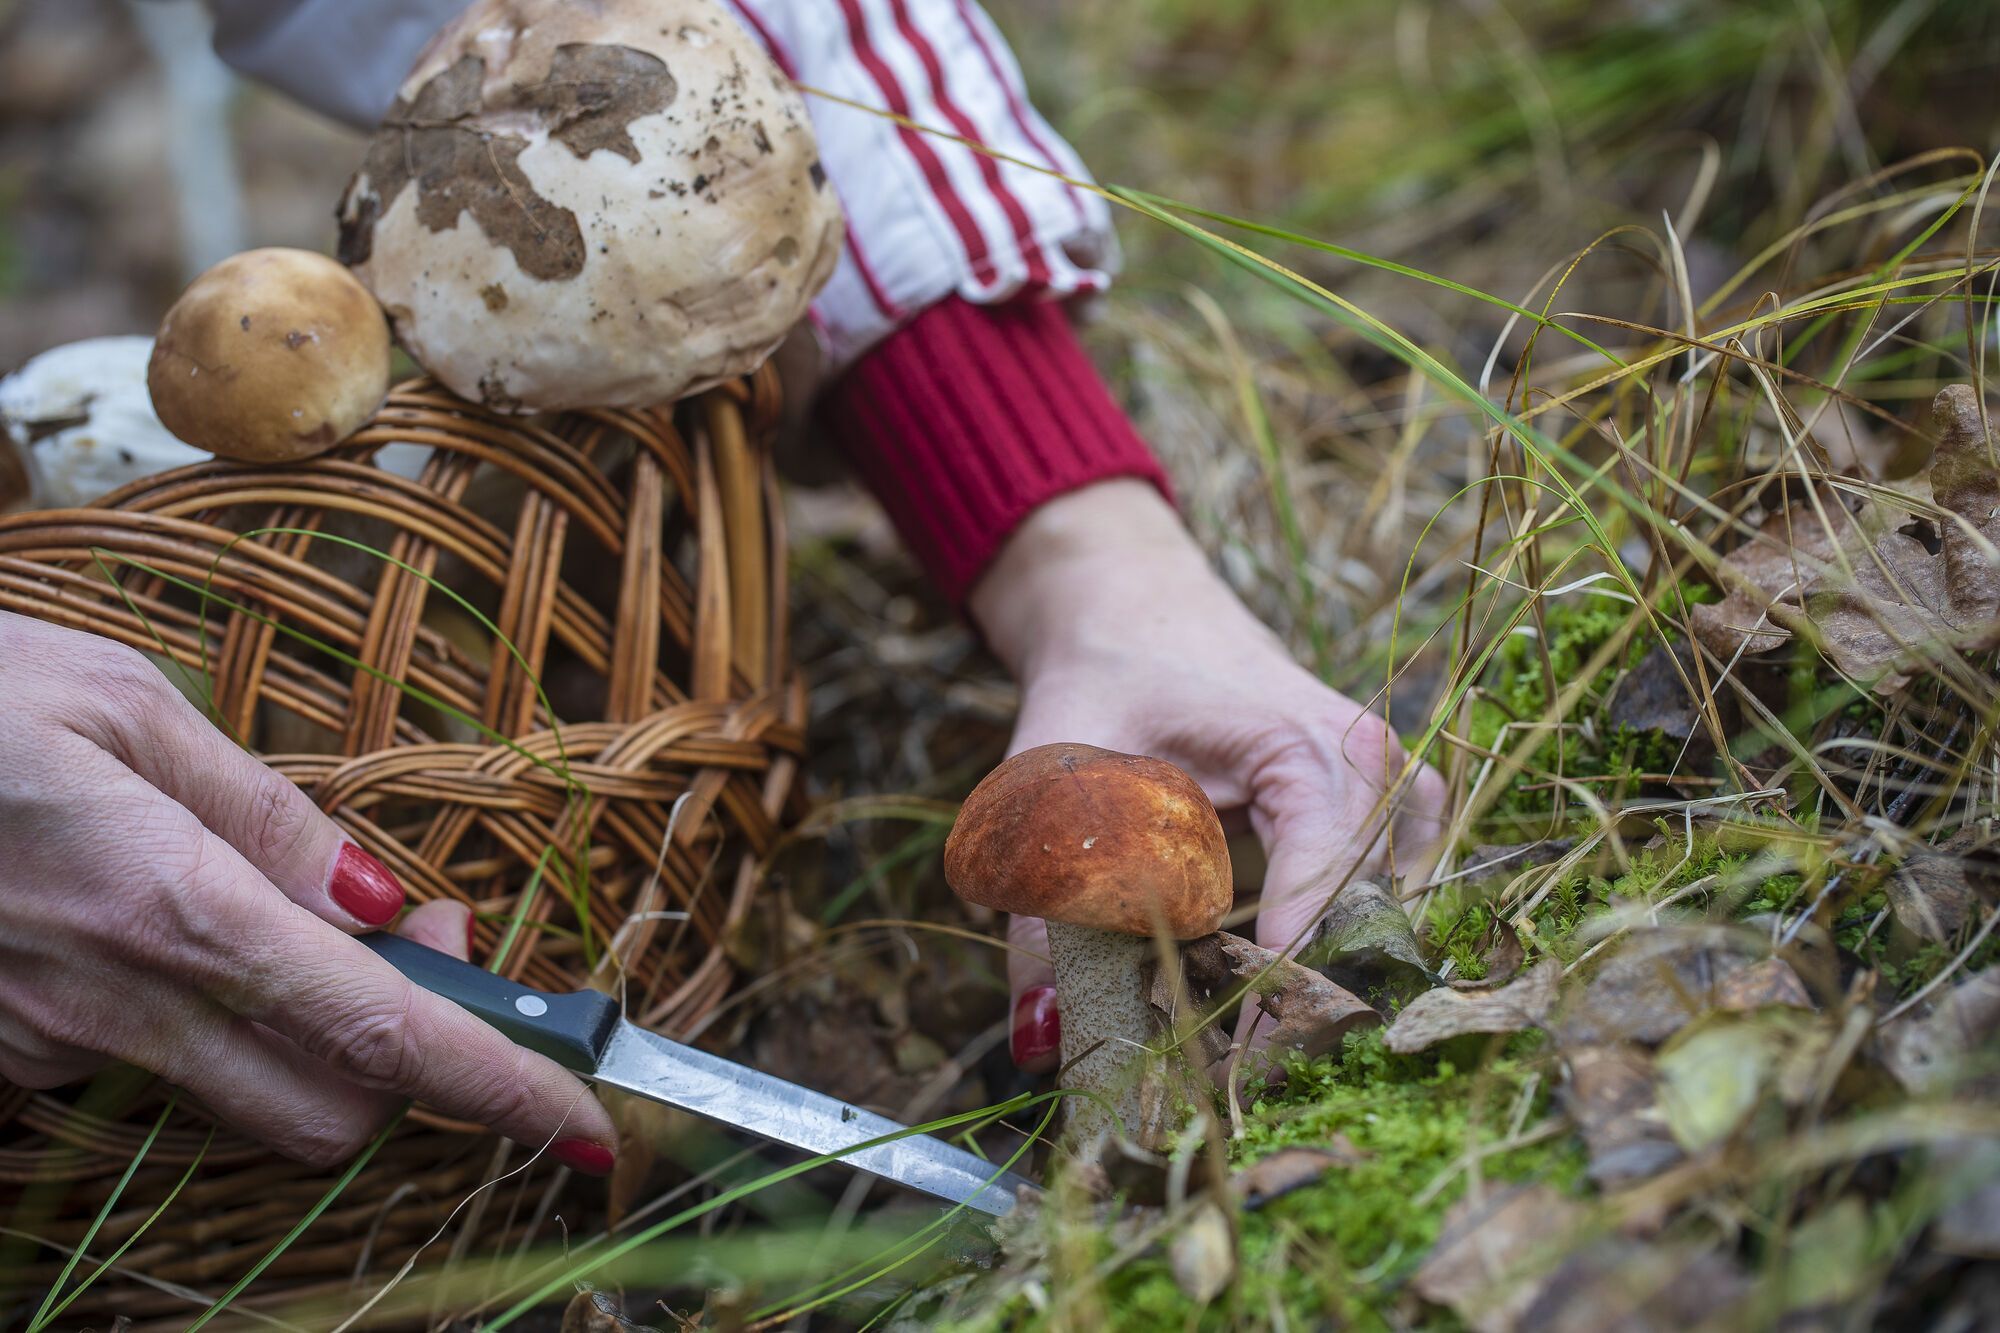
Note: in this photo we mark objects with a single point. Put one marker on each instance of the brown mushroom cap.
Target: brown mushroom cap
(269, 357)
(1092, 837)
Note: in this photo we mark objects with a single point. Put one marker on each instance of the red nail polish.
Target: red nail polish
(363, 887)
(1037, 1027)
(471, 937)
(582, 1155)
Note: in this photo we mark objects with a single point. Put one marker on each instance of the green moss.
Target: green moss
(1340, 1250)
(1515, 689)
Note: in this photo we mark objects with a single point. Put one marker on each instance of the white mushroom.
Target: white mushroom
(78, 423)
(592, 203)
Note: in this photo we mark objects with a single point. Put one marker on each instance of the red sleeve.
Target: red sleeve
(969, 417)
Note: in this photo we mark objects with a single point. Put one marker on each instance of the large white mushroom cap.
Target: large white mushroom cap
(80, 424)
(592, 203)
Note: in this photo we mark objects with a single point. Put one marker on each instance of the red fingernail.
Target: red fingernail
(1037, 1027)
(364, 887)
(471, 938)
(582, 1155)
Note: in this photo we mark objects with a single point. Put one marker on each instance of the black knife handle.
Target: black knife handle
(571, 1029)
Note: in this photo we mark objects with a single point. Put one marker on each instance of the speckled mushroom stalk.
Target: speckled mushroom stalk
(1110, 849)
(1109, 1030)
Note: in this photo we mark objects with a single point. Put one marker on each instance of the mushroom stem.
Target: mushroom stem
(1108, 1024)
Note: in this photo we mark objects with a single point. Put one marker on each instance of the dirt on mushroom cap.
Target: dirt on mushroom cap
(606, 204)
(1092, 837)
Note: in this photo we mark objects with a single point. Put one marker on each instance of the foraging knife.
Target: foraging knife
(582, 1031)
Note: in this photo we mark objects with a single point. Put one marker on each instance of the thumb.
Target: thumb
(262, 814)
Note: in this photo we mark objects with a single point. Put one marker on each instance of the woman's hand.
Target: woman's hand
(168, 901)
(1121, 636)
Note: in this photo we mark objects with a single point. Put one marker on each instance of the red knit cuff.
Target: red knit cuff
(969, 417)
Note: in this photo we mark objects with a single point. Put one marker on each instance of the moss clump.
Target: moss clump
(1516, 690)
(1338, 1252)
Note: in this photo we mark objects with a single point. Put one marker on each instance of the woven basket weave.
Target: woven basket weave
(635, 561)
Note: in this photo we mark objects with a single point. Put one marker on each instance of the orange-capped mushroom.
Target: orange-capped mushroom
(1111, 850)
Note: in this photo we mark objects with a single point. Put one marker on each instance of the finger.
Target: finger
(443, 925)
(344, 1006)
(262, 814)
(263, 1086)
(1416, 837)
(1036, 1038)
(224, 931)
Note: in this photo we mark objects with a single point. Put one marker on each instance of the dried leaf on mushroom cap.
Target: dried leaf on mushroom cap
(607, 205)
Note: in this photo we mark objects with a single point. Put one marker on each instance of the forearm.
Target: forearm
(1088, 568)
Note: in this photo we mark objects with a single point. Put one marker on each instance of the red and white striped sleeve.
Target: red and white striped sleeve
(929, 217)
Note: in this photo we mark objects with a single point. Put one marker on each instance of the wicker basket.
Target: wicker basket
(635, 561)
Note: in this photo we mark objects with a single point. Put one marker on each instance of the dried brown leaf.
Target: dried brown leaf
(1874, 619)
(1202, 1254)
(1761, 985)
(1965, 482)
(1611, 1094)
(1442, 1014)
(1933, 892)
(1654, 695)
(1310, 1013)
(1289, 1169)
(1494, 1256)
(1657, 981)
(1951, 1047)
(1790, 547)
(1872, 597)
(1618, 1285)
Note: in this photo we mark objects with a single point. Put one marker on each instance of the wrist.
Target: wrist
(1082, 570)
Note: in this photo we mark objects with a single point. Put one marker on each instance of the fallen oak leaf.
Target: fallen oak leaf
(1291, 1169)
(1612, 1095)
(1307, 1013)
(1873, 599)
(1659, 980)
(1875, 623)
(1495, 1254)
(1762, 985)
(1965, 482)
(1788, 548)
(1932, 894)
(1439, 1015)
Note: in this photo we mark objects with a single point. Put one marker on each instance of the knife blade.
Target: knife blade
(582, 1031)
